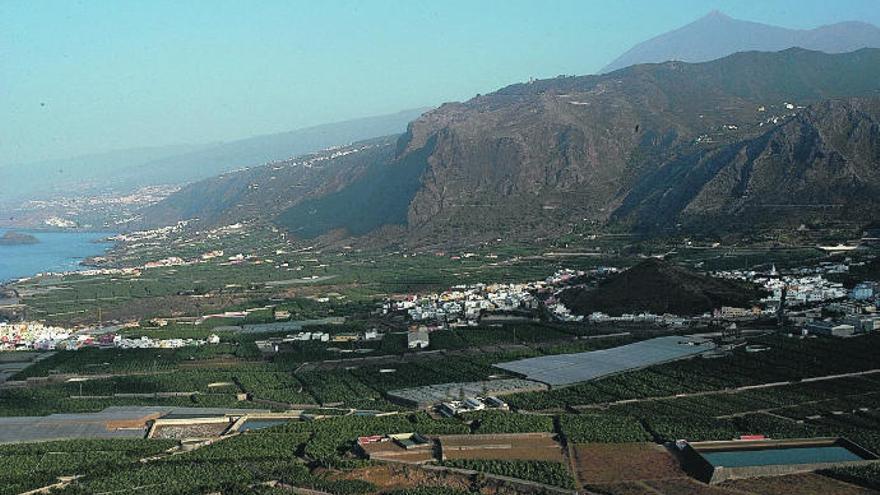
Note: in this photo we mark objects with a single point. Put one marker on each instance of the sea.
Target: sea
(56, 252)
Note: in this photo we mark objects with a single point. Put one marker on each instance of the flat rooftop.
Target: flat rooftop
(566, 369)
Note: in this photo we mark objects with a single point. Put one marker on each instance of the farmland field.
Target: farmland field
(504, 422)
(812, 484)
(599, 463)
(788, 359)
(513, 446)
(546, 472)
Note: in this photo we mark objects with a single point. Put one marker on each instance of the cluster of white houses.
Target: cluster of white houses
(274, 344)
(30, 335)
(664, 319)
(36, 336)
(467, 303)
(800, 288)
(808, 290)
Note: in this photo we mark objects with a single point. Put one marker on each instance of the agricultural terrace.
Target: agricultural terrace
(306, 375)
(320, 455)
(270, 269)
(346, 281)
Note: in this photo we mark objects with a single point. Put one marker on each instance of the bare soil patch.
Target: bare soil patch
(613, 463)
(690, 486)
(798, 484)
(199, 430)
(390, 477)
(516, 446)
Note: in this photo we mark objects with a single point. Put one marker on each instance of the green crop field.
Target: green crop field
(788, 359)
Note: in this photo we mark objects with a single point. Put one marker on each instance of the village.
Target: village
(808, 298)
(463, 305)
(35, 336)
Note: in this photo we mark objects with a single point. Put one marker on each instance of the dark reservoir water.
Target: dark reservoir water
(772, 457)
(56, 252)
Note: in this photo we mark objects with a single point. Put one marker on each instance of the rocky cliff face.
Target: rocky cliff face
(821, 164)
(649, 145)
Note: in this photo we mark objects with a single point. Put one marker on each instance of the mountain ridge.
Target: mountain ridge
(717, 35)
(561, 149)
(186, 163)
(639, 148)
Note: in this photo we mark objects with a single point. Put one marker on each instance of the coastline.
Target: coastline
(60, 251)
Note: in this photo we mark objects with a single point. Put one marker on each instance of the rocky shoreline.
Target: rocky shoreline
(13, 238)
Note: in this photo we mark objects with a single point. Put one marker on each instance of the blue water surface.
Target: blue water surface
(259, 424)
(56, 252)
(783, 456)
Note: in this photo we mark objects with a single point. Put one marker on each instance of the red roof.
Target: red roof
(752, 437)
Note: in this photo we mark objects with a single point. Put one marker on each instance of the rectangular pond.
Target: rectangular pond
(782, 456)
(719, 461)
(259, 424)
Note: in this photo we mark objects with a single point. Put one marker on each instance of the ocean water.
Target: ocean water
(56, 252)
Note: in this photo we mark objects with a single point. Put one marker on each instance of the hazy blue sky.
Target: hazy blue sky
(88, 76)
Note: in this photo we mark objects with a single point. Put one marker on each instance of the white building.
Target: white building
(418, 339)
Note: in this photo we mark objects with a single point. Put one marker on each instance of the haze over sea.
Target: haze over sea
(56, 252)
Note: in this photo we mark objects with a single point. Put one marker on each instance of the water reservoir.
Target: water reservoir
(259, 424)
(781, 456)
(718, 461)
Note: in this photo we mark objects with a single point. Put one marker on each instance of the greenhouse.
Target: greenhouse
(566, 369)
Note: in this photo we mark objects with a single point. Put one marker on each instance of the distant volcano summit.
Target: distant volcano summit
(717, 35)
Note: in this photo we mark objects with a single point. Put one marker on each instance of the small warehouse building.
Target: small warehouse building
(418, 339)
(863, 323)
(830, 329)
(406, 448)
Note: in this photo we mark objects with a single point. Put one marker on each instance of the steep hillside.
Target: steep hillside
(819, 164)
(266, 191)
(536, 159)
(126, 170)
(717, 35)
(659, 287)
(774, 138)
(257, 150)
(379, 197)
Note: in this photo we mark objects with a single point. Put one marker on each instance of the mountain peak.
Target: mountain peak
(718, 35)
(716, 15)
